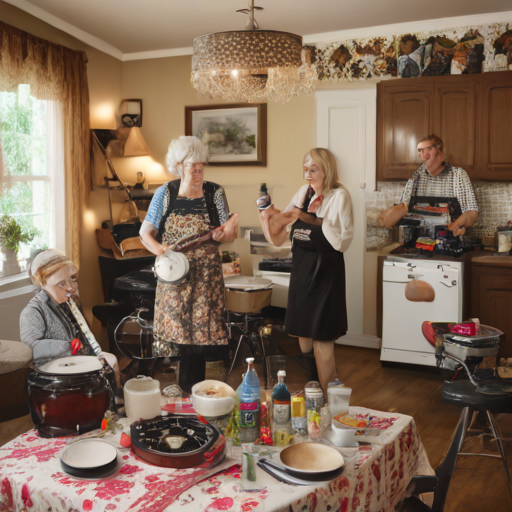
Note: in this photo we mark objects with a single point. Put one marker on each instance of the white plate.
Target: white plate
(89, 454)
(311, 458)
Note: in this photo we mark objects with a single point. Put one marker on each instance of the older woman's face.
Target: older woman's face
(193, 172)
(62, 284)
(313, 174)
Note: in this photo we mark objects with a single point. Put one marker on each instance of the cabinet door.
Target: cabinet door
(455, 120)
(404, 116)
(495, 120)
(491, 301)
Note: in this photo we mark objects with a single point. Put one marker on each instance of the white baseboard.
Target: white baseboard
(359, 340)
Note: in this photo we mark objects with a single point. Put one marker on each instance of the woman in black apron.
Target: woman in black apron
(322, 231)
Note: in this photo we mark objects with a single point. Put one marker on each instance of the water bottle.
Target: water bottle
(264, 201)
(250, 404)
(281, 401)
(314, 404)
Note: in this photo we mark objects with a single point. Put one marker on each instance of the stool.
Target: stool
(463, 393)
(245, 298)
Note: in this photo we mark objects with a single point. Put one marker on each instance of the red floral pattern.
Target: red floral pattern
(374, 479)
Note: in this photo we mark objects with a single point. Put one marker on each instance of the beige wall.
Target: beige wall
(165, 89)
(164, 86)
(104, 74)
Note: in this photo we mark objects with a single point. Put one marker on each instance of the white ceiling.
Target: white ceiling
(123, 27)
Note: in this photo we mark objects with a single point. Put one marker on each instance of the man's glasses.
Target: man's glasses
(421, 150)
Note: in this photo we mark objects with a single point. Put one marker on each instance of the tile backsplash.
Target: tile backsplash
(494, 205)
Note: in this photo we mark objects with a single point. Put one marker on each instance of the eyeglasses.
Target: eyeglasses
(421, 150)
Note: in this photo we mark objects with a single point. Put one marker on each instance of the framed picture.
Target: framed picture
(234, 134)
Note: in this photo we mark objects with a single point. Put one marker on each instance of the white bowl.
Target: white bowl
(217, 404)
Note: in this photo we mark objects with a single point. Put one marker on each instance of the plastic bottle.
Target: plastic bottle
(264, 201)
(314, 403)
(250, 405)
(281, 401)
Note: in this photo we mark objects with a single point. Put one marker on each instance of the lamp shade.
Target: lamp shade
(135, 144)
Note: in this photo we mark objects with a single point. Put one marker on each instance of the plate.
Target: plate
(92, 474)
(311, 458)
(350, 421)
(89, 454)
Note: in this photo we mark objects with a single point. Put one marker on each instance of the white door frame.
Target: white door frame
(346, 125)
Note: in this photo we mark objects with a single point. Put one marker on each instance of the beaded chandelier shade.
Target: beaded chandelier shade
(252, 65)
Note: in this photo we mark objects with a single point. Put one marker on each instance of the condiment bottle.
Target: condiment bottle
(314, 403)
(298, 413)
(281, 411)
(264, 201)
(250, 404)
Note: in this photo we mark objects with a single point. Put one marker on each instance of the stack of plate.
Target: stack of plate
(89, 458)
(305, 464)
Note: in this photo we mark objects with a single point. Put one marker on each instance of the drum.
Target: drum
(245, 294)
(69, 395)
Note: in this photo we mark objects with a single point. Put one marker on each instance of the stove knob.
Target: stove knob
(454, 283)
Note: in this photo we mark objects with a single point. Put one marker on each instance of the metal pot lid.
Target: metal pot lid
(247, 283)
(171, 267)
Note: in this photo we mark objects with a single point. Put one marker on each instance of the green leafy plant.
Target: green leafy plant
(13, 234)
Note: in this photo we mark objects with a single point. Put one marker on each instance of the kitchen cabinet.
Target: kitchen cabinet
(471, 113)
(491, 296)
(495, 120)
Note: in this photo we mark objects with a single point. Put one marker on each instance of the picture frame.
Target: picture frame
(235, 134)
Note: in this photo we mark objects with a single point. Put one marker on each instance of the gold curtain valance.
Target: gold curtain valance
(55, 72)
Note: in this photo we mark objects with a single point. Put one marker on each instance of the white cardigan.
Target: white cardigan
(336, 212)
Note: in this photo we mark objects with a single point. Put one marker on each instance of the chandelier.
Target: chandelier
(252, 65)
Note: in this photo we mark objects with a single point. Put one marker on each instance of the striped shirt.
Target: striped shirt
(451, 182)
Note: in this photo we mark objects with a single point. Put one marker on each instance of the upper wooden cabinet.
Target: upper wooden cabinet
(471, 113)
(495, 130)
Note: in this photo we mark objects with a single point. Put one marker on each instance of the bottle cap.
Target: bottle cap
(281, 373)
(249, 360)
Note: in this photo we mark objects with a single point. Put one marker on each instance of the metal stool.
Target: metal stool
(245, 298)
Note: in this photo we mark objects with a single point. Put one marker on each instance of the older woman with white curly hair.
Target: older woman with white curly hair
(190, 316)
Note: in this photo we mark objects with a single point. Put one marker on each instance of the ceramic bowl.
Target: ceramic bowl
(212, 398)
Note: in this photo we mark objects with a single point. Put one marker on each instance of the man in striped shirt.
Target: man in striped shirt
(436, 178)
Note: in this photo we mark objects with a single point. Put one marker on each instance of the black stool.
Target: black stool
(464, 394)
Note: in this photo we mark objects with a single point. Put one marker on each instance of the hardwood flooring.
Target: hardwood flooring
(478, 484)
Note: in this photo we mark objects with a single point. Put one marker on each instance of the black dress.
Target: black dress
(317, 305)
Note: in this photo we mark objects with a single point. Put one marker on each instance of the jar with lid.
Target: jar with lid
(314, 403)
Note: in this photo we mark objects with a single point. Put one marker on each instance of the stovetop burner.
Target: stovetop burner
(177, 441)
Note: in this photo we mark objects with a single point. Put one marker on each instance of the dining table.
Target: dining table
(376, 473)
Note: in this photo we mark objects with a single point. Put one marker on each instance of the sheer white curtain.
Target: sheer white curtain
(55, 166)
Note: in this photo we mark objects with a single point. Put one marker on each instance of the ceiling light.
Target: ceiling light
(252, 65)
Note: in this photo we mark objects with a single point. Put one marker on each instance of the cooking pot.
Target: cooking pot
(69, 395)
(171, 267)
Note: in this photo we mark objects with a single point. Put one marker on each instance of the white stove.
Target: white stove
(402, 339)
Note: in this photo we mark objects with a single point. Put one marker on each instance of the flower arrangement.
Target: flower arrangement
(13, 234)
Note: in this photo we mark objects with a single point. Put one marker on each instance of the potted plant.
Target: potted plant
(12, 235)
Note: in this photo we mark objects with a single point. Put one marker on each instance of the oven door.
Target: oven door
(402, 339)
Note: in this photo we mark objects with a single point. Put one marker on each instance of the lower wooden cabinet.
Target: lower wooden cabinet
(491, 296)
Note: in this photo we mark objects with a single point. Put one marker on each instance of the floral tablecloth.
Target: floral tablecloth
(375, 478)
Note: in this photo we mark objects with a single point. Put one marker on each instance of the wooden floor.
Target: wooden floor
(479, 483)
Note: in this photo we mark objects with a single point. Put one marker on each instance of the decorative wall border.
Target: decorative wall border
(465, 49)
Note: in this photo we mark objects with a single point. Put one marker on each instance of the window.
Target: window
(32, 174)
